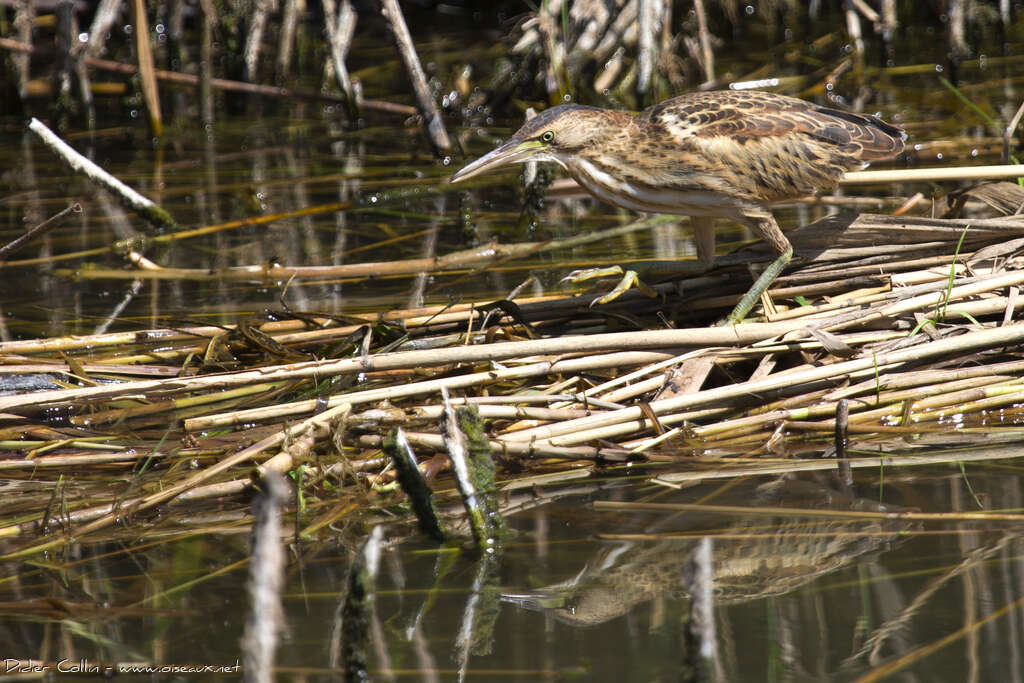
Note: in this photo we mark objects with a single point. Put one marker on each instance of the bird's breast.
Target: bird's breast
(637, 193)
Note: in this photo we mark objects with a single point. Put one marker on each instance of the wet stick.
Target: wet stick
(340, 24)
(707, 60)
(474, 478)
(133, 200)
(480, 615)
(64, 105)
(204, 81)
(254, 37)
(147, 72)
(24, 21)
(106, 15)
(289, 23)
(481, 460)
(356, 610)
(266, 578)
(645, 51)
(397, 447)
(842, 439)
(700, 650)
(37, 231)
(428, 108)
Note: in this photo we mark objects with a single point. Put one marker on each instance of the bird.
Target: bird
(715, 154)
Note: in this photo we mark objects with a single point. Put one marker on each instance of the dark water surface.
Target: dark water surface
(581, 591)
(589, 592)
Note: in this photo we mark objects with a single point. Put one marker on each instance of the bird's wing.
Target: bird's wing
(746, 115)
(771, 147)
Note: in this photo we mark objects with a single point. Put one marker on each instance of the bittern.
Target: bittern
(727, 154)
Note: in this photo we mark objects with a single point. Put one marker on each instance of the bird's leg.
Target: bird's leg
(765, 226)
(704, 238)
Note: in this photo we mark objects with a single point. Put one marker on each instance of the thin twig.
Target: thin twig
(37, 231)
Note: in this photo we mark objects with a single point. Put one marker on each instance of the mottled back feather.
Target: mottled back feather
(763, 146)
(753, 114)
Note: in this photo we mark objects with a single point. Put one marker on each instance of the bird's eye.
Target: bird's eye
(548, 136)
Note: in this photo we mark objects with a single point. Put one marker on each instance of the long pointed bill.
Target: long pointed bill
(511, 152)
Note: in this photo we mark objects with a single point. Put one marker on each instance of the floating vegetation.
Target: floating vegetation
(918, 347)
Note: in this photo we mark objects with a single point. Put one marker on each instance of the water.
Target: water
(588, 592)
(577, 592)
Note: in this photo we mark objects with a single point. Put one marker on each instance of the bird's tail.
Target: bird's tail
(876, 138)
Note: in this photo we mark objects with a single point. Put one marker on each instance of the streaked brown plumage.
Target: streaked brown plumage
(724, 154)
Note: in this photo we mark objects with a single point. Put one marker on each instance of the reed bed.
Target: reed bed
(918, 346)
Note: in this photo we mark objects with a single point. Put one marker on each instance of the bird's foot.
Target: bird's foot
(629, 280)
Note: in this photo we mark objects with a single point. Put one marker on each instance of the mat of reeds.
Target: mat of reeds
(903, 327)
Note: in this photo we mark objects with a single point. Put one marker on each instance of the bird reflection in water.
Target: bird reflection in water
(754, 557)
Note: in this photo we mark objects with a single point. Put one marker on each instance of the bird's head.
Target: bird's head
(556, 134)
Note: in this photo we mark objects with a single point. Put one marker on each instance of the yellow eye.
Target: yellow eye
(548, 136)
